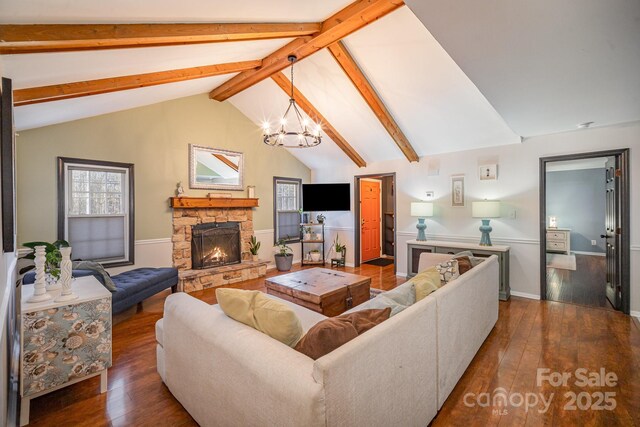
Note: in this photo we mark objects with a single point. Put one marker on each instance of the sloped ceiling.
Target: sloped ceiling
(435, 104)
(545, 65)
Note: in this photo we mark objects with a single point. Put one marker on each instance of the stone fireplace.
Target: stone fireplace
(215, 244)
(211, 242)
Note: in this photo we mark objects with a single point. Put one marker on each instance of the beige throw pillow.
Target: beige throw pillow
(255, 309)
(426, 282)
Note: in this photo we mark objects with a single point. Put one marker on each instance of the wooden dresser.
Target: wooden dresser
(416, 247)
(559, 240)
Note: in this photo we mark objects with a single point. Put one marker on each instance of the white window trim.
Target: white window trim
(125, 201)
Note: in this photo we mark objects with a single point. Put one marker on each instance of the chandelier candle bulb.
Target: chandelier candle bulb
(302, 137)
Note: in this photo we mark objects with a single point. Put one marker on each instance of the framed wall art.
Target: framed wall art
(488, 172)
(457, 191)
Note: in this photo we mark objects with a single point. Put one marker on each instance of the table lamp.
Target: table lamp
(485, 209)
(421, 210)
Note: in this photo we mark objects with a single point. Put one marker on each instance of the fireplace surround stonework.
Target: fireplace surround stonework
(194, 280)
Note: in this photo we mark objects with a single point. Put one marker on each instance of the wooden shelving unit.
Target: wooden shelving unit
(310, 242)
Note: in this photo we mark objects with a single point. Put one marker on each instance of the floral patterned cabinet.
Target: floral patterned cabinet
(65, 342)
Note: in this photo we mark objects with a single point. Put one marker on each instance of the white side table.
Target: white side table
(63, 343)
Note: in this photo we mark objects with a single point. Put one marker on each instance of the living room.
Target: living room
(143, 136)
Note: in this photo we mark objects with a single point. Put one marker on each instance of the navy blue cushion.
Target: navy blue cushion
(133, 286)
(137, 285)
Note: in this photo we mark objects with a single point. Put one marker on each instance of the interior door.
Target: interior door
(370, 219)
(612, 232)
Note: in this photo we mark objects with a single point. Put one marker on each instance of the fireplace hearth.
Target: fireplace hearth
(215, 245)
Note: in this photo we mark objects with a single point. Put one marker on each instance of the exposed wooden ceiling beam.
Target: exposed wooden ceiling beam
(57, 92)
(360, 81)
(314, 114)
(353, 17)
(17, 39)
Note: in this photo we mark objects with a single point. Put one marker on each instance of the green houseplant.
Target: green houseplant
(341, 249)
(254, 247)
(284, 256)
(315, 255)
(52, 258)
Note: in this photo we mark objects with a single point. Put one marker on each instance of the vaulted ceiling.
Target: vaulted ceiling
(389, 90)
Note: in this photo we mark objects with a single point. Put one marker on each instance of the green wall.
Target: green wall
(156, 139)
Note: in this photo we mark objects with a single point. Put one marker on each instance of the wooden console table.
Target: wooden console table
(416, 247)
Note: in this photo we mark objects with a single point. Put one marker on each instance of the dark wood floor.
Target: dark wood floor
(529, 334)
(584, 286)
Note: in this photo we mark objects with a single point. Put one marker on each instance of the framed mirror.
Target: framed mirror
(210, 168)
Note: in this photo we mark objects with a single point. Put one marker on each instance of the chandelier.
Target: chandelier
(296, 131)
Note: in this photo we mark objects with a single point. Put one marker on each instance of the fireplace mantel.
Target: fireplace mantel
(211, 202)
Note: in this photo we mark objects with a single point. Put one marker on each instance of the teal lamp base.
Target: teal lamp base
(485, 228)
(421, 226)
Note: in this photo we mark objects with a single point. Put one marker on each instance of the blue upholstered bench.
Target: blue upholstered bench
(134, 286)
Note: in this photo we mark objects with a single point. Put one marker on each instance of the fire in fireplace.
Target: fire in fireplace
(215, 244)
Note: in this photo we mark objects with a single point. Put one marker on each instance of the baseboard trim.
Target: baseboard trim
(401, 274)
(635, 314)
(525, 295)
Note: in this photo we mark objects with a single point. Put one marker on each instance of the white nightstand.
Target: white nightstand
(559, 240)
(63, 343)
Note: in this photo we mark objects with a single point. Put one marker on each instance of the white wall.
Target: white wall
(516, 187)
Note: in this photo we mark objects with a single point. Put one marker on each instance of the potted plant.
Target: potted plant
(320, 218)
(52, 259)
(315, 255)
(339, 247)
(284, 256)
(254, 247)
(306, 233)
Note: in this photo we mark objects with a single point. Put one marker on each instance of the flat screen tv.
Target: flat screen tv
(326, 197)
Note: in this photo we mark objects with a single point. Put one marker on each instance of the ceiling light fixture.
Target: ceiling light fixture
(303, 134)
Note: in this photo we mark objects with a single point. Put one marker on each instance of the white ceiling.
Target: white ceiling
(436, 105)
(543, 69)
(133, 11)
(545, 65)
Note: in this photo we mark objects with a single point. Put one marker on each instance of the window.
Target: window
(95, 210)
(286, 209)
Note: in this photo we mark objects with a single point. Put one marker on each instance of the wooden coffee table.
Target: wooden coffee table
(323, 290)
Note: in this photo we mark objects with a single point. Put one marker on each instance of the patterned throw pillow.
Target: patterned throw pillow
(448, 271)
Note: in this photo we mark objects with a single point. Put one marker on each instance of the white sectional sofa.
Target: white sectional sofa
(399, 373)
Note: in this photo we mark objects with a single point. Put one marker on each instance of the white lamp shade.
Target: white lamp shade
(486, 209)
(421, 209)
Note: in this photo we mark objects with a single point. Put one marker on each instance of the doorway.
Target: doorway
(375, 220)
(584, 229)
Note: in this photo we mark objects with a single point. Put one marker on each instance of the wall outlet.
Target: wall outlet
(594, 243)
